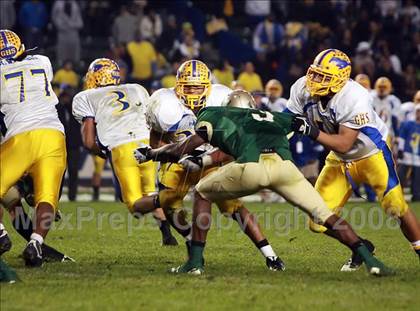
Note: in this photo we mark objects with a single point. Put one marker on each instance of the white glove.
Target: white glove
(195, 164)
(140, 154)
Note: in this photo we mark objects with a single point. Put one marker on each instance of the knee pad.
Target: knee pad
(394, 203)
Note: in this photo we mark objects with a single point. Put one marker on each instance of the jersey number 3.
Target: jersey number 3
(119, 102)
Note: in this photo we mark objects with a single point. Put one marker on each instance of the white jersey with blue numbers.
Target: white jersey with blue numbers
(388, 109)
(118, 111)
(26, 98)
(351, 107)
(167, 114)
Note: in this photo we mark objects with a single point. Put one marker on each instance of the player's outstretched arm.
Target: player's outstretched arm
(341, 142)
(168, 153)
(176, 151)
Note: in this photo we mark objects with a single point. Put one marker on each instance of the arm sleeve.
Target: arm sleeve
(48, 68)
(82, 108)
(295, 103)
(356, 114)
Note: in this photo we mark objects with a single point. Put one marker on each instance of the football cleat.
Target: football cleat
(169, 241)
(5, 242)
(7, 274)
(356, 261)
(32, 254)
(275, 264)
(50, 254)
(188, 268)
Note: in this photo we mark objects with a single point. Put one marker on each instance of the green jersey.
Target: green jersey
(246, 133)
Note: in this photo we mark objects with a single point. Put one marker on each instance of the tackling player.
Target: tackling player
(257, 140)
(338, 114)
(114, 113)
(34, 141)
(172, 116)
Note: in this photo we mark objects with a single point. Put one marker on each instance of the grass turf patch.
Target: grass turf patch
(121, 264)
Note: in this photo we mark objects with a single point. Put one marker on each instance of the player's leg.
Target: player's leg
(335, 190)
(379, 172)
(249, 225)
(5, 242)
(291, 184)
(98, 164)
(227, 182)
(15, 158)
(148, 181)
(201, 221)
(131, 178)
(175, 182)
(47, 173)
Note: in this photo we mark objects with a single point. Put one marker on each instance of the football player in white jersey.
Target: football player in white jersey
(114, 113)
(171, 117)
(387, 106)
(34, 142)
(337, 112)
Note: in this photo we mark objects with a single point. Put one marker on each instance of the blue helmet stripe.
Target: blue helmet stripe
(325, 54)
(3, 36)
(194, 68)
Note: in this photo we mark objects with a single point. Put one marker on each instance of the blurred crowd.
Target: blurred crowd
(262, 46)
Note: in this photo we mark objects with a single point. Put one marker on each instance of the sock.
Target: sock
(416, 247)
(362, 250)
(3, 231)
(165, 229)
(95, 192)
(37, 237)
(265, 248)
(197, 249)
(23, 225)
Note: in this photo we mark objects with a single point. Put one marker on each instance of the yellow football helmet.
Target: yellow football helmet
(383, 86)
(10, 45)
(102, 72)
(193, 73)
(363, 80)
(329, 72)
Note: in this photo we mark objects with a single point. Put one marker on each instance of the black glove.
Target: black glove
(302, 126)
(141, 154)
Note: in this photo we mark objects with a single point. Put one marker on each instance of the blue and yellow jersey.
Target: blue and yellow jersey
(410, 143)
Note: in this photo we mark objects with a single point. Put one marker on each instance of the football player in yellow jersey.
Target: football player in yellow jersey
(113, 122)
(337, 112)
(34, 142)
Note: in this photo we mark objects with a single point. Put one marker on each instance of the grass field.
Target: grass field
(118, 268)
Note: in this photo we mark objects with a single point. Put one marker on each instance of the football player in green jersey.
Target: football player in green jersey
(257, 142)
